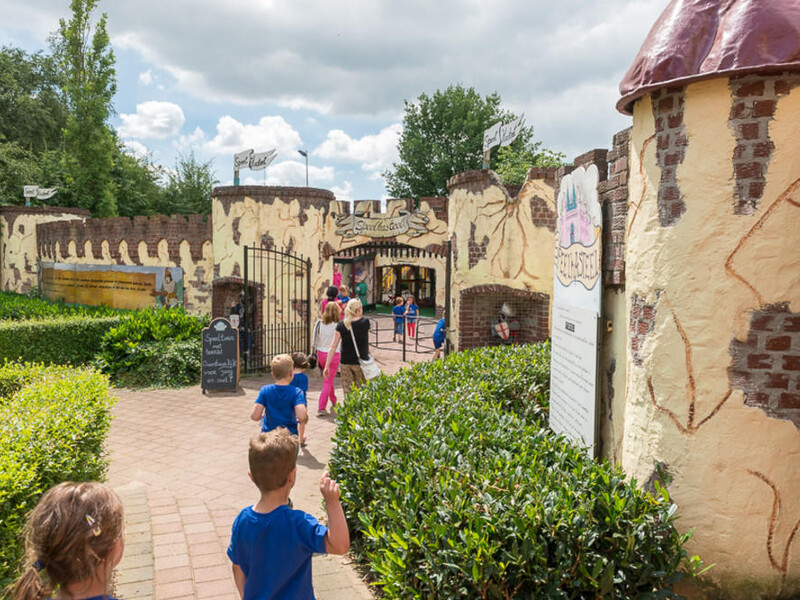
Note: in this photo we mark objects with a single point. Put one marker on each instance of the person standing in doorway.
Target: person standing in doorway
(353, 327)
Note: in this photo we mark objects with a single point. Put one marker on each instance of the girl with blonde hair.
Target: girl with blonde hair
(354, 325)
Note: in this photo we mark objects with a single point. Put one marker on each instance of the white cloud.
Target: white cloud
(146, 78)
(376, 153)
(270, 132)
(136, 149)
(289, 173)
(343, 192)
(153, 119)
(195, 139)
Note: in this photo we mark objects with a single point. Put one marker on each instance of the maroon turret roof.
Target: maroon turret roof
(702, 39)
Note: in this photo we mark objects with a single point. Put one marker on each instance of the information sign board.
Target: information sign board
(220, 369)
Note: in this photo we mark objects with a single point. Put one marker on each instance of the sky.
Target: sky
(216, 77)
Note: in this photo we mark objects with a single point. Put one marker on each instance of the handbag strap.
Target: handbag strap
(353, 335)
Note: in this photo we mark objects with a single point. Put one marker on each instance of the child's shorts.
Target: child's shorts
(438, 343)
(398, 328)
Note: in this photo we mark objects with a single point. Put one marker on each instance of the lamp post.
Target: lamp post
(304, 153)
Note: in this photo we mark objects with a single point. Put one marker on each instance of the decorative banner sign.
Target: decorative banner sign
(34, 191)
(220, 356)
(502, 135)
(414, 224)
(576, 309)
(117, 286)
(248, 159)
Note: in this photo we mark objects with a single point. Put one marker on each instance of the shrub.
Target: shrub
(52, 429)
(455, 488)
(18, 307)
(154, 347)
(58, 340)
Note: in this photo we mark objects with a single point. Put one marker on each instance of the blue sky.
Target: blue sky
(217, 77)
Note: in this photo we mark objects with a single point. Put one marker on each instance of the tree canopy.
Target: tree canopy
(443, 135)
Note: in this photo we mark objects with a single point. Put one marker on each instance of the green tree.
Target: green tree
(188, 189)
(86, 61)
(136, 184)
(514, 163)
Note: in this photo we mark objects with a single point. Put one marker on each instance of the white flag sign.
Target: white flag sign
(509, 132)
(260, 160)
(40, 193)
(241, 160)
(491, 137)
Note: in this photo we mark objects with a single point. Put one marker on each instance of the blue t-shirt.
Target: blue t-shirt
(398, 312)
(274, 551)
(279, 402)
(438, 333)
(413, 309)
(300, 381)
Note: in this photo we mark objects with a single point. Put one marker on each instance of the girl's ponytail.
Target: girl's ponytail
(31, 585)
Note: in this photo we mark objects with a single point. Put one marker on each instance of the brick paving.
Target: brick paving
(179, 462)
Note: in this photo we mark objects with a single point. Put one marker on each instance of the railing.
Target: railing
(382, 335)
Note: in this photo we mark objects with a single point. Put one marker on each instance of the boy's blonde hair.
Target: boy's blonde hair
(282, 366)
(272, 457)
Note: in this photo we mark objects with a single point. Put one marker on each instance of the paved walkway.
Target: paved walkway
(179, 461)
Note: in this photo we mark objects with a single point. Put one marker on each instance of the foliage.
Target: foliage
(188, 190)
(17, 307)
(53, 422)
(130, 351)
(514, 163)
(86, 61)
(136, 184)
(57, 340)
(456, 489)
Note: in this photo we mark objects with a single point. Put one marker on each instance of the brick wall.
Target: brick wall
(479, 307)
(542, 215)
(766, 365)
(671, 142)
(477, 250)
(613, 194)
(754, 99)
(194, 229)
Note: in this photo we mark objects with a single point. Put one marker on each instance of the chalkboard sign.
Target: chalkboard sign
(220, 356)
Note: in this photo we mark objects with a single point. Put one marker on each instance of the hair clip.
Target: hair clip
(38, 565)
(93, 524)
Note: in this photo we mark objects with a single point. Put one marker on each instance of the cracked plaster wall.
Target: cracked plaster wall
(706, 275)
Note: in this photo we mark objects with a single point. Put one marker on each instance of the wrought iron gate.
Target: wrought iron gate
(277, 303)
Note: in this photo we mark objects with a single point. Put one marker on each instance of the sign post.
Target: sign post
(220, 366)
(577, 284)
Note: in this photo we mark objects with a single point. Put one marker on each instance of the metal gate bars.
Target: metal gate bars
(277, 304)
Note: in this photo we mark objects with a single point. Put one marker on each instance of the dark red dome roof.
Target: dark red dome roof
(702, 39)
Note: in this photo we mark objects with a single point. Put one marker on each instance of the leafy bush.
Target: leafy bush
(52, 429)
(58, 340)
(18, 307)
(153, 347)
(456, 489)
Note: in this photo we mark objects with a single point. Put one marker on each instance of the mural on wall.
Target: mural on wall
(576, 308)
(116, 286)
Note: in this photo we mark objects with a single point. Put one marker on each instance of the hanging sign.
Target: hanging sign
(413, 224)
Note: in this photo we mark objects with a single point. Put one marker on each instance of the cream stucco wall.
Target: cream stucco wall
(731, 464)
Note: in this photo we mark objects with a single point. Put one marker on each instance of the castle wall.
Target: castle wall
(712, 278)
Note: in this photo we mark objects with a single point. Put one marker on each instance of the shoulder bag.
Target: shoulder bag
(369, 367)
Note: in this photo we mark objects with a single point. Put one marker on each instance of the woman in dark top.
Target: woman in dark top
(355, 326)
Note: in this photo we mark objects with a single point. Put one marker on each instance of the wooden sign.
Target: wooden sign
(220, 356)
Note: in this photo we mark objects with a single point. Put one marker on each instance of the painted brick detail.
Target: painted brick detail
(541, 214)
(642, 322)
(754, 99)
(477, 250)
(671, 142)
(613, 195)
(480, 305)
(766, 366)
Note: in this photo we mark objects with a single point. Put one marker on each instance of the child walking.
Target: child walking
(280, 404)
(398, 311)
(412, 310)
(323, 338)
(73, 541)
(300, 381)
(271, 545)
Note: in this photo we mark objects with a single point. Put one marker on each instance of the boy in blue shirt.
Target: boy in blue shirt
(398, 311)
(438, 338)
(300, 381)
(271, 545)
(280, 404)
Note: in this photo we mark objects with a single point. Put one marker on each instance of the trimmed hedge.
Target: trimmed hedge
(153, 347)
(455, 488)
(19, 307)
(52, 427)
(58, 340)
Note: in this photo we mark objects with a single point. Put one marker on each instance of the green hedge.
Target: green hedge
(153, 347)
(455, 488)
(19, 307)
(52, 428)
(59, 340)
